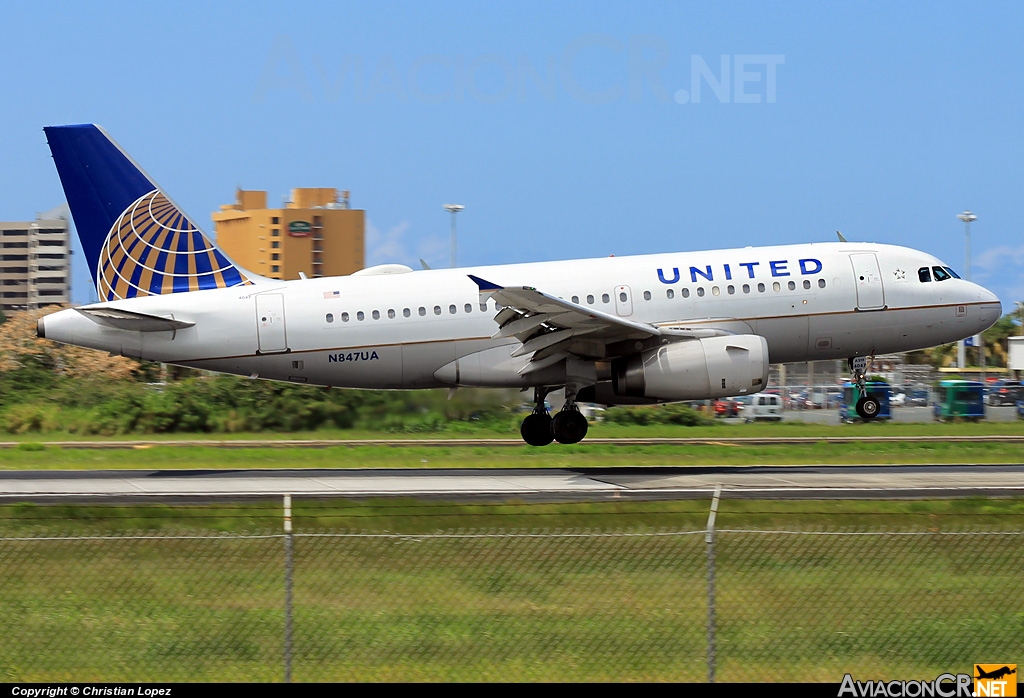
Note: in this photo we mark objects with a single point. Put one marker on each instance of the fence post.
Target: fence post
(709, 539)
(287, 588)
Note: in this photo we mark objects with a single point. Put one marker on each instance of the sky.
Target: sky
(570, 129)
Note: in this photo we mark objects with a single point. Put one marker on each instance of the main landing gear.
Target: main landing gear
(540, 429)
(867, 406)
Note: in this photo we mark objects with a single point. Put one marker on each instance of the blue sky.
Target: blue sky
(572, 129)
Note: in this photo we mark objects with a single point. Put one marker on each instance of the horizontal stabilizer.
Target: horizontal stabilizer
(132, 321)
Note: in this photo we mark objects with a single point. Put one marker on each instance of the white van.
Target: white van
(763, 406)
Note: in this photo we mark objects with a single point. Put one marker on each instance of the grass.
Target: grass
(470, 430)
(399, 603)
(48, 457)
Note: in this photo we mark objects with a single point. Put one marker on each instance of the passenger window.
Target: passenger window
(792, 285)
(605, 298)
(622, 296)
(469, 307)
(821, 283)
(731, 289)
(924, 275)
(700, 291)
(360, 316)
(715, 291)
(575, 299)
(437, 310)
(686, 293)
(670, 294)
(330, 317)
(807, 284)
(422, 311)
(776, 286)
(760, 288)
(590, 299)
(940, 274)
(344, 317)
(452, 309)
(483, 307)
(647, 295)
(376, 315)
(406, 312)
(391, 313)
(746, 288)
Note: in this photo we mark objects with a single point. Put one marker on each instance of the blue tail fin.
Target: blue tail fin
(136, 240)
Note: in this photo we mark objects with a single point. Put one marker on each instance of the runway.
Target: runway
(773, 482)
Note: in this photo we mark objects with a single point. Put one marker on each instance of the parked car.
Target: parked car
(727, 408)
(1005, 392)
(763, 406)
(917, 397)
(898, 400)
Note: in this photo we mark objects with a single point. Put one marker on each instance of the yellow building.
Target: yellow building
(315, 233)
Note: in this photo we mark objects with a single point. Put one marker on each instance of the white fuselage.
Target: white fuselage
(433, 328)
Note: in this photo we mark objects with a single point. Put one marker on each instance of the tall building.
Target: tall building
(35, 262)
(315, 233)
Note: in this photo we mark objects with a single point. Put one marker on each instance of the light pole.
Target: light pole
(967, 217)
(453, 209)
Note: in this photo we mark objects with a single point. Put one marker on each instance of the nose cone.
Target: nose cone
(991, 308)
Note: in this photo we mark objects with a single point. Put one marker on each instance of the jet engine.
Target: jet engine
(695, 369)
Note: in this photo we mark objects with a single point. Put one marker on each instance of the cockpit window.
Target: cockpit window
(941, 274)
(953, 273)
(924, 274)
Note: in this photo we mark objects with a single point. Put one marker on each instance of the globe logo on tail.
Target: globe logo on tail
(153, 249)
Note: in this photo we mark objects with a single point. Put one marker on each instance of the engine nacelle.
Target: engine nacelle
(695, 369)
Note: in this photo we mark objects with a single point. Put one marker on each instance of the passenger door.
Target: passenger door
(868, 280)
(270, 323)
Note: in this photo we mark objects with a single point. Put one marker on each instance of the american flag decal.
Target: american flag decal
(332, 294)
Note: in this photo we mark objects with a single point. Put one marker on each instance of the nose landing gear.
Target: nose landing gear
(867, 406)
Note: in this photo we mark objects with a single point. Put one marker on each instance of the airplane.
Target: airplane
(995, 673)
(616, 330)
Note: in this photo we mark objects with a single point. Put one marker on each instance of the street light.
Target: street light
(967, 217)
(453, 209)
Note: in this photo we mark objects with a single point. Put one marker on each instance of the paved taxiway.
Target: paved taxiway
(596, 484)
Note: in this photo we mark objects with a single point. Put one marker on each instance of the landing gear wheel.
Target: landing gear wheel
(536, 429)
(868, 407)
(569, 426)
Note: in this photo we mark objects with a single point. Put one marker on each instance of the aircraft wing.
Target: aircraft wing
(551, 327)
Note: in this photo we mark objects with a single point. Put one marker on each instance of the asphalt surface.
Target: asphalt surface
(773, 482)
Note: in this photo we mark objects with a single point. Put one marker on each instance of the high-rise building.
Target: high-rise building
(315, 233)
(35, 259)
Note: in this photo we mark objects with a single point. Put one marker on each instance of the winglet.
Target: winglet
(485, 286)
(841, 238)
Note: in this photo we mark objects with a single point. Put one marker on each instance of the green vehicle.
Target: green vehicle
(960, 399)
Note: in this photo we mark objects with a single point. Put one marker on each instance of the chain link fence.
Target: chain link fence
(554, 605)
